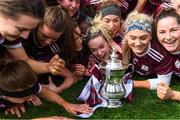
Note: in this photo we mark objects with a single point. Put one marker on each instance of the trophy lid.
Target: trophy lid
(113, 63)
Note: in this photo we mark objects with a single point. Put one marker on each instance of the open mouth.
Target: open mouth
(78, 48)
(71, 12)
(169, 41)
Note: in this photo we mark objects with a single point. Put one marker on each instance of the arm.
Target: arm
(72, 108)
(69, 79)
(141, 84)
(153, 82)
(81, 70)
(140, 5)
(38, 67)
(165, 92)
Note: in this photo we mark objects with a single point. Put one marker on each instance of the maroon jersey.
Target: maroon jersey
(176, 68)
(155, 60)
(152, 5)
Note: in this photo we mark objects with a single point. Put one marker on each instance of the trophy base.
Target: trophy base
(114, 103)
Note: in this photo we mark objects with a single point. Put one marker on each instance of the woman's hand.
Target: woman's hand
(77, 108)
(56, 64)
(17, 110)
(80, 69)
(51, 86)
(164, 91)
(35, 100)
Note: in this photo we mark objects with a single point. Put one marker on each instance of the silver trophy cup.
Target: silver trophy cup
(112, 72)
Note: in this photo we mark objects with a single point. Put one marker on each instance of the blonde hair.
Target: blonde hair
(57, 18)
(136, 18)
(98, 28)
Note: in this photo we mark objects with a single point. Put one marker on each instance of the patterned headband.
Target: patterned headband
(139, 25)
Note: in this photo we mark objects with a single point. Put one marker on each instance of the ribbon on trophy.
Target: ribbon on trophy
(92, 92)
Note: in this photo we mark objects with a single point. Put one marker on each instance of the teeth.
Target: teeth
(170, 41)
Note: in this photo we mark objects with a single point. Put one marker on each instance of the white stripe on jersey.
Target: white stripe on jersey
(125, 4)
(54, 48)
(155, 55)
(18, 45)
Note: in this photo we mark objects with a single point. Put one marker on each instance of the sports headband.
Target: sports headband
(111, 10)
(24, 93)
(139, 25)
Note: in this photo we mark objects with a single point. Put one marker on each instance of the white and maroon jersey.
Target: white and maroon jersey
(10, 44)
(176, 68)
(1, 39)
(155, 60)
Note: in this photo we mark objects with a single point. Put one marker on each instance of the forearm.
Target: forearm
(86, 73)
(176, 95)
(20, 54)
(38, 67)
(140, 5)
(141, 84)
(52, 97)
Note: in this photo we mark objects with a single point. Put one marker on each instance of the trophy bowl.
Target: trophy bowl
(112, 73)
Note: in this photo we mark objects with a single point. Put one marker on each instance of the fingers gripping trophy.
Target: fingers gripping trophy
(112, 72)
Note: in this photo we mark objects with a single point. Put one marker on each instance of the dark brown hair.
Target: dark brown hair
(16, 75)
(167, 13)
(14, 8)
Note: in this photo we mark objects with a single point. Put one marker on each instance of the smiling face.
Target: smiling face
(168, 32)
(114, 22)
(47, 36)
(71, 5)
(99, 48)
(138, 41)
(14, 29)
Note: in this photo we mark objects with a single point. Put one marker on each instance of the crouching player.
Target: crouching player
(18, 84)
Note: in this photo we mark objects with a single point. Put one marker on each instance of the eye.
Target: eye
(93, 50)
(101, 47)
(174, 30)
(143, 38)
(161, 32)
(107, 21)
(116, 20)
(132, 37)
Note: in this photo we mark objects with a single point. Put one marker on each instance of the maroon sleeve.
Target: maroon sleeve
(166, 65)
